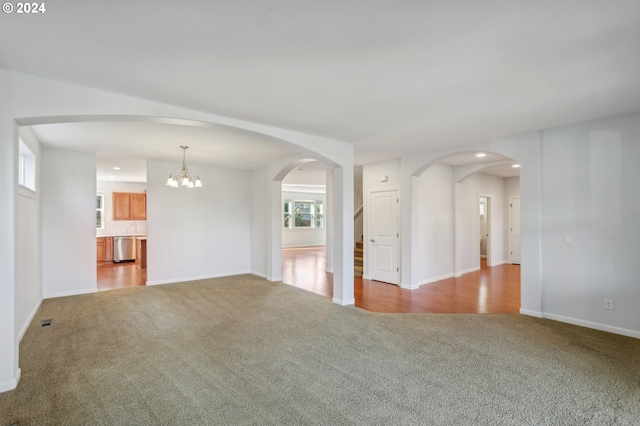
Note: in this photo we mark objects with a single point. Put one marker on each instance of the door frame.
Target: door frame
(489, 229)
(367, 227)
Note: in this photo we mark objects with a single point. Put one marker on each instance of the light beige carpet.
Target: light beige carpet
(244, 351)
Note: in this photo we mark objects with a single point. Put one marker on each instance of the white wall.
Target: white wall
(358, 221)
(259, 222)
(591, 191)
(68, 223)
(512, 187)
(200, 232)
(120, 227)
(304, 237)
(434, 235)
(29, 272)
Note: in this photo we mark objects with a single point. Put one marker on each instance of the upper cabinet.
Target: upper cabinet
(129, 206)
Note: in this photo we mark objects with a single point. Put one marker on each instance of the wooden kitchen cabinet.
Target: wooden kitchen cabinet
(100, 249)
(108, 249)
(129, 206)
(104, 249)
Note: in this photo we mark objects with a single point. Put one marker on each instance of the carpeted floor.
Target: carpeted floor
(245, 351)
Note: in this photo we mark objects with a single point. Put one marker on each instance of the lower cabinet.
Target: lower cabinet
(104, 249)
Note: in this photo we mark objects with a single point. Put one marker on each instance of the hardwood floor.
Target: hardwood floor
(490, 290)
(112, 276)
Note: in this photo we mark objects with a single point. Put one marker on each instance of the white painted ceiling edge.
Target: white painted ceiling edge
(393, 78)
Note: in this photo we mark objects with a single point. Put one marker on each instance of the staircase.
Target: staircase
(358, 253)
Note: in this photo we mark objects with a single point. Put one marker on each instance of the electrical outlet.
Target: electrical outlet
(608, 304)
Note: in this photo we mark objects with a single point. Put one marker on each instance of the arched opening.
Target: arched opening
(460, 207)
(131, 132)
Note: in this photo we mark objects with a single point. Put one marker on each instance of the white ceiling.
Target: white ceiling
(392, 77)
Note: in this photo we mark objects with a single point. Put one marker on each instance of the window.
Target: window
(100, 210)
(303, 214)
(21, 177)
(26, 167)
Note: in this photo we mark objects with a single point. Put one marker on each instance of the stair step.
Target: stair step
(359, 244)
(358, 251)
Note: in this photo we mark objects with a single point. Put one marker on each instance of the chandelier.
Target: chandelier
(184, 178)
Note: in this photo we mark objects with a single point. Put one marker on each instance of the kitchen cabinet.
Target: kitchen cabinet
(100, 249)
(129, 206)
(104, 249)
(142, 252)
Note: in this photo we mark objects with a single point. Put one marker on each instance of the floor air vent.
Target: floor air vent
(46, 323)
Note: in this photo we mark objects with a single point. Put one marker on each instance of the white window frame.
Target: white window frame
(100, 209)
(26, 167)
(317, 218)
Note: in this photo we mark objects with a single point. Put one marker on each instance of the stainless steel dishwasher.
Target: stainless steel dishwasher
(124, 248)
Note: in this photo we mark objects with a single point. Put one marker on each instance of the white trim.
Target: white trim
(11, 384)
(274, 279)
(70, 293)
(27, 192)
(310, 189)
(593, 325)
(365, 277)
(433, 280)
(466, 271)
(531, 313)
(343, 302)
(409, 286)
(203, 277)
(259, 274)
(502, 262)
(28, 323)
(306, 245)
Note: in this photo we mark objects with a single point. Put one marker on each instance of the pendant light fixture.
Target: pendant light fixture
(184, 178)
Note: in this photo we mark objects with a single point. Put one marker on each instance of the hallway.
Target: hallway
(494, 290)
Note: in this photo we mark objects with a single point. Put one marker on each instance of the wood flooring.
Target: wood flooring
(112, 276)
(489, 290)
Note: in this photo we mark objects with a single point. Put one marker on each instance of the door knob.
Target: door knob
(373, 241)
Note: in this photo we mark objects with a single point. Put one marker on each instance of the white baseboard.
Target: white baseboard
(274, 279)
(344, 302)
(259, 274)
(594, 325)
(433, 280)
(31, 316)
(70, 293)
(466, 271)
(409, 286)
(365, 277)
(203, 277)
(531, 313)
(11, 384)
(498, 263)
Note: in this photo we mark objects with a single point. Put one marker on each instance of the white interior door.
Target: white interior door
(514, 230)
(384, 236)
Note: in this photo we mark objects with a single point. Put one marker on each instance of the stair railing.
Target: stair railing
(358, 210)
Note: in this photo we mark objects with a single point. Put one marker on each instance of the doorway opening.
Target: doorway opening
(121, 223)
(485, 230)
